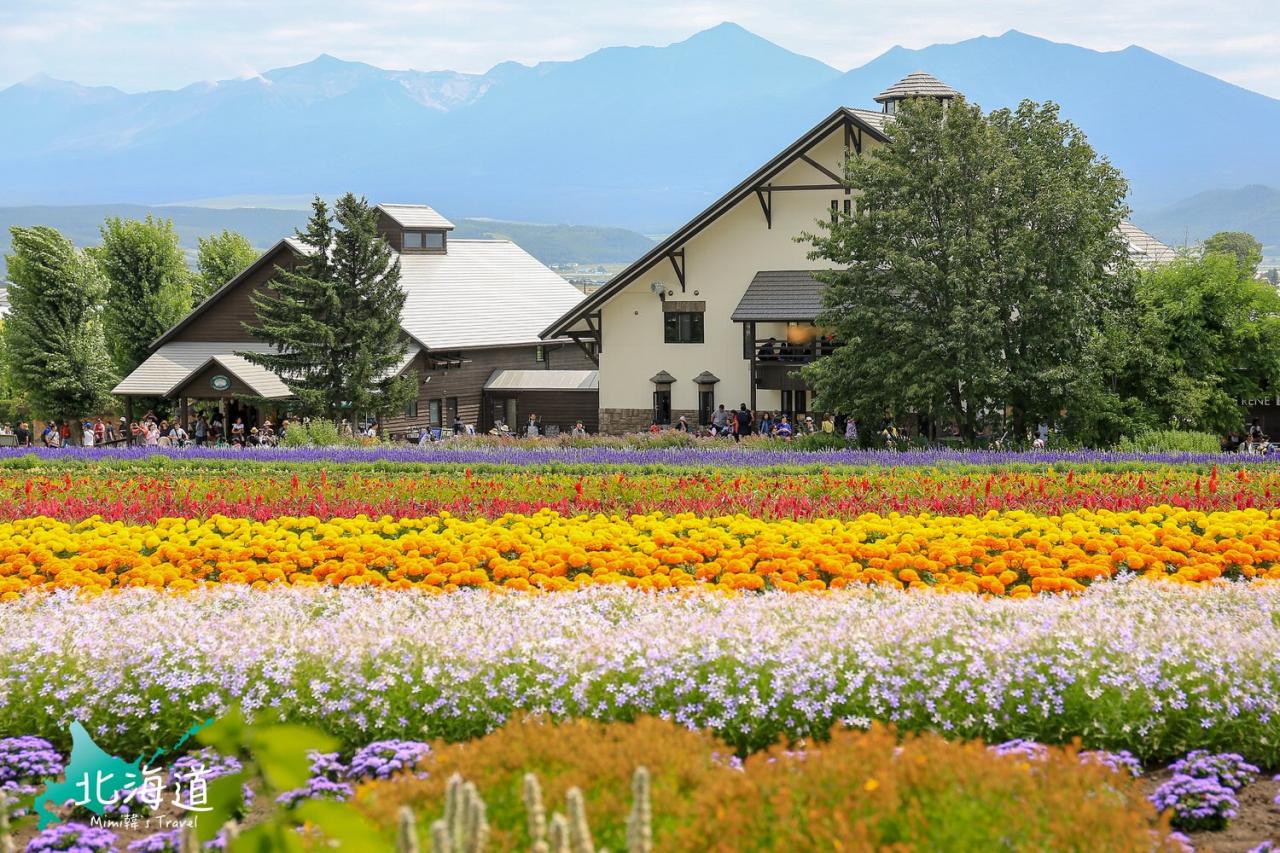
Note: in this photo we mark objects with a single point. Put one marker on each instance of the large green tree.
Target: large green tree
(1241, 245)
(334, 319)
(53, 336)
(148, 286)
(978, 265)
(220, 258)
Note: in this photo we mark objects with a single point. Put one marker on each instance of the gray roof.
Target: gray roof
(875, 118)
(416, 216)
(170, 366)
(1143, 248)
(917, 84)
(543, 380)
(481, 293)
(780, 295)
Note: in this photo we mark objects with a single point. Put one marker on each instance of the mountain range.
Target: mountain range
(638, 137)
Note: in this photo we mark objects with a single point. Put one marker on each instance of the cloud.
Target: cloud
(144, 44)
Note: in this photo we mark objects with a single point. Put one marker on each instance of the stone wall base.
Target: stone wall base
(621, 421)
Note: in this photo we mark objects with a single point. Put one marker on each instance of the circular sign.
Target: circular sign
(220, 382)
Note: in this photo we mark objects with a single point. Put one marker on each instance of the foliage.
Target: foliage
(13, 402)
(220, 258)
(56, 354)
(334, 320)
(148, 286)
(872, 791)
(856, 790)
(1240, 245)
(1170, 441)
(978, 266)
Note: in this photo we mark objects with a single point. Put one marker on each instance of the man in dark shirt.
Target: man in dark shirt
(741, 423)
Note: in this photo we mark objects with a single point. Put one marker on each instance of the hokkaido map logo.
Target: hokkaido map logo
(115, 790)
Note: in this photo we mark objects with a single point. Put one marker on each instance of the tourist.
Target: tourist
(178, 436)
(682, 425)
(741, 423)
(459, 428)
(829, 424)
(237, 431)
(87, 433)
(769, 351)
(766, 424)
(64, 435)
(783, 429)
(579, 431)
(23, 434)
(720, 421)
(531, 428)
(851, 430)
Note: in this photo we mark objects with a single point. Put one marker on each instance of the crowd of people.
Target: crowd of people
(741, 422)
(150, 431)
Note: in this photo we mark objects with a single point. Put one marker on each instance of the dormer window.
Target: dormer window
(423, 241)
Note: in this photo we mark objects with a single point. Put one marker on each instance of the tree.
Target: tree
(53, 336)
(334, 319)
(220, 258)
(148, 286)
(977, 268)
(1239, 244)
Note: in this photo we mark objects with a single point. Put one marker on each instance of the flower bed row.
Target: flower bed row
(143, 496)
(1016, 553)
(1156, 669)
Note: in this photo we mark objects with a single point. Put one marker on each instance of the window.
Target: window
(433, 412)
(683, 327)
(431, 241)
(706, 404)
(411, 409)
(848, 207)
(662, 406)
(835, 210)
(540, 354)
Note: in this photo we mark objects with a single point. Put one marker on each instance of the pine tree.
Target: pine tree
(53, 335)
(334, 319)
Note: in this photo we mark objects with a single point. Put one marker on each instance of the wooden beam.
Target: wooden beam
(766, 204)
(678, 267)
(785, 187)
(577, 339)
(821, 168)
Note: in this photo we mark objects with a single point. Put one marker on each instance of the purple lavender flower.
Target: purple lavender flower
(1183, 842)
(170, 841)
(1122, 761)
(1230, 769)
(207, 763)
(1028, 749)
(73, 838)
(385, 758)
(1196, 803)
(1267, 846)
(28, 759)
(317, 788)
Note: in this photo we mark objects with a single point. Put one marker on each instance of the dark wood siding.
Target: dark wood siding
(390, 229)
(553, 408)
(224, 320)
(199, 388)
(467, 382)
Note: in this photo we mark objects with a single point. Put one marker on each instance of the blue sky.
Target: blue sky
(147, 44)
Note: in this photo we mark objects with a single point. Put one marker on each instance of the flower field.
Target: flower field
(1130, 603)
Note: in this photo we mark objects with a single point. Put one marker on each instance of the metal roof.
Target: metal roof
(416, 216)
(916, 84)
(173, 364)
(1143, 248)
(780, 295)
(543, 380)
(481, 293)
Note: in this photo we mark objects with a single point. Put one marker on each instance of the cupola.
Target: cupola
(917, 84)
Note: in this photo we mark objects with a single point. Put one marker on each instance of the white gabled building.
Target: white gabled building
(722, 311)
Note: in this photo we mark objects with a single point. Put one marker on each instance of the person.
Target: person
(1255, 436)
(48, 436)
(682, 425)
(829, 424)
(99, 431)
(178, 436)
(720, 421)
(152, 434)
(87, 437)
(766, 424)
(851, 430)
(64, 435)
(166, 432)
(254, 438)
(809, 428)
(531, 429)
(769, 351)
(23, 434)
(201, 430)
(741, 423)
(783, 429)
(579, 431)
(237, 431)
(459, 428)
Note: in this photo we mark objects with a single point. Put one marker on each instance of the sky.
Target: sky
(138, 45)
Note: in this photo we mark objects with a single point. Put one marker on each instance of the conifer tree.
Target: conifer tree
(333, 320)
(53, 336)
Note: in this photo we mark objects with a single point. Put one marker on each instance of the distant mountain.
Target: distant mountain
(1254, 208)
(551, 244)
(635, 136)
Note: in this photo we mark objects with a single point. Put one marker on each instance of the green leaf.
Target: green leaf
(272, 836)
(225, 798)
(227, 735)
(343, 824)
(281, 753)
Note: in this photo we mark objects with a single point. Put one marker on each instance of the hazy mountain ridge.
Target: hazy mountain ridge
(551, 244)
(636, 136)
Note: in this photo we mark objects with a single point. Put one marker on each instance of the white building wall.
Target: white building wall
(720, 262)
